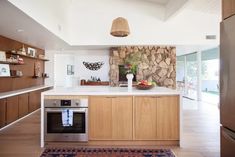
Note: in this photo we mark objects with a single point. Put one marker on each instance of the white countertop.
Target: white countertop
(22, 91)
(106, 90)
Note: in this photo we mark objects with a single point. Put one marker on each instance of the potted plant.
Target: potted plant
(131, 63)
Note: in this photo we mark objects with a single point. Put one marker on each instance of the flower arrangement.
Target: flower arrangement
(130, 69)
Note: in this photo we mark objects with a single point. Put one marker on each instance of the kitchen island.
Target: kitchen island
(118, 116)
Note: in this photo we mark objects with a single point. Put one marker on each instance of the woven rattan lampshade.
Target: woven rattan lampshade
(120, 27)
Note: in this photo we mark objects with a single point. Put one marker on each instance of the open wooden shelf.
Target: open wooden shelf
(13, 63)
(28, 56)
(36, 77)
(10, 76)
(91, 83)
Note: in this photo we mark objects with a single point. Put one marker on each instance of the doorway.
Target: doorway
(198, 75)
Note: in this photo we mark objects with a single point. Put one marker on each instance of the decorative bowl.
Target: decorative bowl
(144, 87)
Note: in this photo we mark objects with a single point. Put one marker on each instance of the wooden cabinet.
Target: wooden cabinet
(110, 118)
(34, 100)
(145, 118)
(100, 118)
(12, 109)
(168, 118)
(122, 117)
(18, 106)
(2, 112)
(156, 118)
(23, 104)
(228, 8)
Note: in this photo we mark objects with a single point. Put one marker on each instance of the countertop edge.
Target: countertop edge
(23, 91)
(99, 92)
(111, 94)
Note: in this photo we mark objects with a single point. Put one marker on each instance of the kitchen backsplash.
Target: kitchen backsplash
(156, 63)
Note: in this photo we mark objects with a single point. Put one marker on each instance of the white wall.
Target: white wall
(92, 56)
(57, 66)
(60, 67)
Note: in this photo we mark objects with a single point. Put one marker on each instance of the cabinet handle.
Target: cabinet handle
(155, 97)
(110, 97)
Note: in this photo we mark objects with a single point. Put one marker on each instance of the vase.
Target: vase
(129, 77)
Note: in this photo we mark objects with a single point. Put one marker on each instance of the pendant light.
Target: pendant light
(120, 27)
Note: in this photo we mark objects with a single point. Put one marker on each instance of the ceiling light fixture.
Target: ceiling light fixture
(120, 27)
(20, 30)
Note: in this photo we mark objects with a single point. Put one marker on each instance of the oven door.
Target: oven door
(55, 131)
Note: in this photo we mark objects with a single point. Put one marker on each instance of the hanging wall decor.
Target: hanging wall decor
(93, 66)
(37, 69)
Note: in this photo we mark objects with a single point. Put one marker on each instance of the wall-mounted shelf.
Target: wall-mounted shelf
(11, 82)
(28, 56)
(13, 63)
(10, 76)
(36, 77)
(91, 83)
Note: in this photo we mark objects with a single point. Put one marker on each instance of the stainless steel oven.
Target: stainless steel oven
(53, 126)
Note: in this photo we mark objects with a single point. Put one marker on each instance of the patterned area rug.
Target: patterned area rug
(106, 152)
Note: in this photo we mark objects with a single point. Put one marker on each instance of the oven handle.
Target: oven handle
(60, 110)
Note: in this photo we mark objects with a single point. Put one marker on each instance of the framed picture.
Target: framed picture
(2, 56)
(4, 70)
(70, 69)
(31, 52)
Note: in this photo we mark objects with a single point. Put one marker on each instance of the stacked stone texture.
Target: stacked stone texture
(156, 63)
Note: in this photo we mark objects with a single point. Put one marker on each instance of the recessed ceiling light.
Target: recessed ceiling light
(20, 30)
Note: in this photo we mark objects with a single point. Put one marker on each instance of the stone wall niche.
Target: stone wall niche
(157, 63)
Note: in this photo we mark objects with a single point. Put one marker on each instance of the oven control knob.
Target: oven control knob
(54, 103)
(77, 103)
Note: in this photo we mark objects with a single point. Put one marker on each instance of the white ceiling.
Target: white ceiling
(86, 23)
(33, 33)
(206, 6)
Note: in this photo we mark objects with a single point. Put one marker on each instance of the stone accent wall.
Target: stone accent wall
(156, 63)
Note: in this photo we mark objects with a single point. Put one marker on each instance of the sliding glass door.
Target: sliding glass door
(180, 77)
(197, 75)
(187, 75)
(210, 75)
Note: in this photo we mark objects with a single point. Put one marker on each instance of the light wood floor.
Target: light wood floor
(200, 134)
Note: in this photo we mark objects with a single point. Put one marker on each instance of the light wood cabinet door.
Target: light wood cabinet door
(122, 118)
(23, 104)
(168, 118)
(100, 118)
(2, 112)
(145, 118)
(228, 8)
(12, 109)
